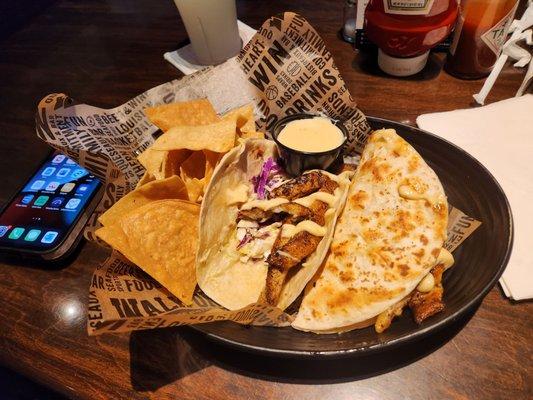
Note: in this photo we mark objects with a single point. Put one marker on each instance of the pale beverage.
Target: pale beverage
(212, 29)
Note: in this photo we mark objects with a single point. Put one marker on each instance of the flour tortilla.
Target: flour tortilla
(221, 274)
(384, 244)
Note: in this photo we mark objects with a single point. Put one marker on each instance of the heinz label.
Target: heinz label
(407, 7)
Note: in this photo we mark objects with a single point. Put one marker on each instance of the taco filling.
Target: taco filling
(286, 226)
(265, 234)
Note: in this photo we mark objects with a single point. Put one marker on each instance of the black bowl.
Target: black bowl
(296, 161)
(479, 262)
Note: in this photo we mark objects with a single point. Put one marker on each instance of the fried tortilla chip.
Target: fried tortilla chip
(211, 160)
(195, 112)
(160, 237)
(243, 117)
(152, 161)
(252, 135)
(147, 177)
(195, 188)
(172, 162)
(193, 166)
(170, 188)
(218, 137)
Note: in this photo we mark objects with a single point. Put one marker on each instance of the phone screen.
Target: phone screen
(42, 213)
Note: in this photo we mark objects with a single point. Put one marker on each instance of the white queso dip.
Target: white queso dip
(312, 135)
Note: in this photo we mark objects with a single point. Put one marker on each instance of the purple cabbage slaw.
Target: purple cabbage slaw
(246, 239)
(260, 182)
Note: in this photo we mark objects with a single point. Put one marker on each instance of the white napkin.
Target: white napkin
(500, 136)
(184, 58)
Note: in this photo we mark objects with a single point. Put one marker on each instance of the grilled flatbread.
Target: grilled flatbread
(387, 239)
(263, 235)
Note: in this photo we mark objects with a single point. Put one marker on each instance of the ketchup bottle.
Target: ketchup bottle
(405, 31)
(479, 36)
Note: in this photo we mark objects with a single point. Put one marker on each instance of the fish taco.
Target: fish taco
(263, 234)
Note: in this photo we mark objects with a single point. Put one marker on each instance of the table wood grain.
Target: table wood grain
(104, 53)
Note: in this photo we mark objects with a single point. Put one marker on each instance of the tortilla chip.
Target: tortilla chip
(195, 112)
(160, 237)
(252, 135)
(147, 177)
(172, 162)
(152, 161)
(194, 166)
(249, 126)
(218, 137)
(170, 188)
(211, 160)
(243, 117)
(195, 188)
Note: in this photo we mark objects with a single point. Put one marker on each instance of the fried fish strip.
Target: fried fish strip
(296, 213)
(301, 186)
(294, 251)
(424, 305)
(318, 212)
(290, 252)
(274, 283)
(286, 254)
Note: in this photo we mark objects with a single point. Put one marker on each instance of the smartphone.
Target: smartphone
(45, 218)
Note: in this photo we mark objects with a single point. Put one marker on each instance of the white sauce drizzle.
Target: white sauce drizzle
(342, 179)
(446, 258)
(264, 205)
(407, 192)
(327, 198)
(427, 284)
(313, 228)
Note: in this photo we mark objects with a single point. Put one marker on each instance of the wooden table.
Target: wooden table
(105, 52)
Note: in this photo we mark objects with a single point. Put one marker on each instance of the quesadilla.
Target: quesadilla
(387, 240)
(262, 234)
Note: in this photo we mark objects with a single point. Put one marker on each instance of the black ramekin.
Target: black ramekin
(296, 162)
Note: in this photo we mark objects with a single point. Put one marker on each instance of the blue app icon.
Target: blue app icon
(41, 201)
(4, 229)
(27, 199)
(63, 172)
(72, 204)
(16, 233)
(37, 185)
(48, 171)
(57, 202)
(49, 237)
(78, 173)
(52, 186)
(32, 235)
(82, 189)
(58, 159)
